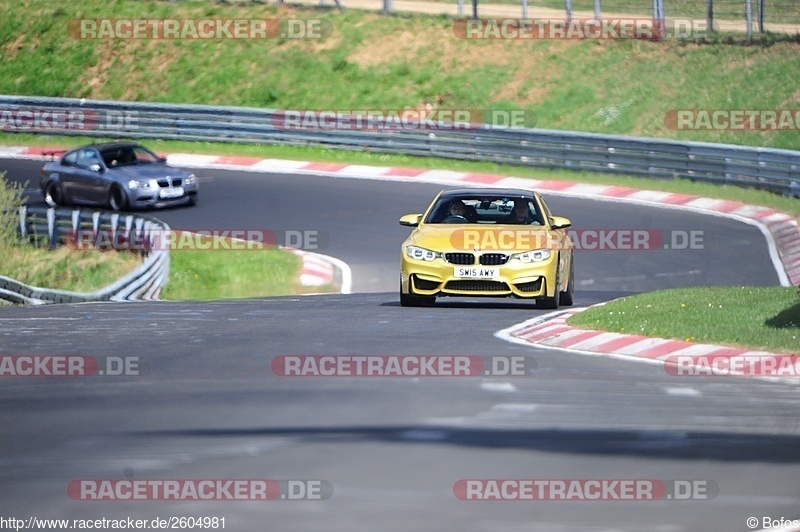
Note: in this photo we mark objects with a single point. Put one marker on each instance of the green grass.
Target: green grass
(66, 269)
(753, 197)
(394, 62)
(758, 318)
(231, 274)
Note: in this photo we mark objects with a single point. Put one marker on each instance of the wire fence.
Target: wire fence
(705, 16)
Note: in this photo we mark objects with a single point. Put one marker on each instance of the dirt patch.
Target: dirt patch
(96, 76)
(10, 50)
(425, 43)
(534, 75)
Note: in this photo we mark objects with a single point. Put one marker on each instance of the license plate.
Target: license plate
(477, 273)
(171, 192)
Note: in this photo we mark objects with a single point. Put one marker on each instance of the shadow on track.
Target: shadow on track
(715, 446)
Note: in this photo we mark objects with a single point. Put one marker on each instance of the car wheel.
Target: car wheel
(52, 194)
(408, 300)
(568, 296)
(117, 199)
(550, 303)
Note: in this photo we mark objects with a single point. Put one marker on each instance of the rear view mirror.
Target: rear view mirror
(96, 168)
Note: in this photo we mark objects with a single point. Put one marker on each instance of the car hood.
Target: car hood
(146, 171)
(487, 238)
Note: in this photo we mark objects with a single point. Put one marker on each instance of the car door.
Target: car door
(89, 181)
(65, 175)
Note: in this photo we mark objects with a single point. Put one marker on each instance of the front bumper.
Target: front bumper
(515, 279)
(150, 198)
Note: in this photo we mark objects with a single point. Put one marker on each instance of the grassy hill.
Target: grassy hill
(391, 62)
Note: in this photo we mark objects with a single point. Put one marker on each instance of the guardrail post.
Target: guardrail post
(23, 226)
(794, 189)
(51, 227)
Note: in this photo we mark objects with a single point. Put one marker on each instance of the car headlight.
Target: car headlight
(134, 184)
(413, 252)
(190, 180)
(537, 255)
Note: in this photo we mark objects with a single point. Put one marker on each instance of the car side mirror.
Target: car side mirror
(411, 220)
(558, 222)
(96, 168)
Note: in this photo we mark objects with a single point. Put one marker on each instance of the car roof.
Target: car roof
(487, 192)
(110, 145)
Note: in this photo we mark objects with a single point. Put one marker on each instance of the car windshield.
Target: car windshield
(485, 210)
(128, 155)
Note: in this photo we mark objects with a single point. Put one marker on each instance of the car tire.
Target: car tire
(408, 300)
(567, 297)
(52, 194)
(117, 199)
(550, 303)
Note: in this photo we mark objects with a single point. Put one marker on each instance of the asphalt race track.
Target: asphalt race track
(207, 405)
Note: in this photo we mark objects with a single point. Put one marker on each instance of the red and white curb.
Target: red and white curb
(551, 331)
(320, 270)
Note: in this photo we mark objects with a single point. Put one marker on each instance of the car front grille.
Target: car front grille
(169, 182)
(533, 286)
(494, 259)
(477, 286)
(460, 258)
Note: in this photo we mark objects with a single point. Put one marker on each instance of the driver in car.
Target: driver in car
(459, 208)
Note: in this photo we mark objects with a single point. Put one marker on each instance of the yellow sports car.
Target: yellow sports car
(488, 243)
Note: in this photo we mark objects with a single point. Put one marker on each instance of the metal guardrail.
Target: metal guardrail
(59, 226)
(763, 168)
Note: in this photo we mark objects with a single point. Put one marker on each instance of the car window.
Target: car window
(119, 156)
(71, 158)
(87, 157)
(143, 155)
(484, 210)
